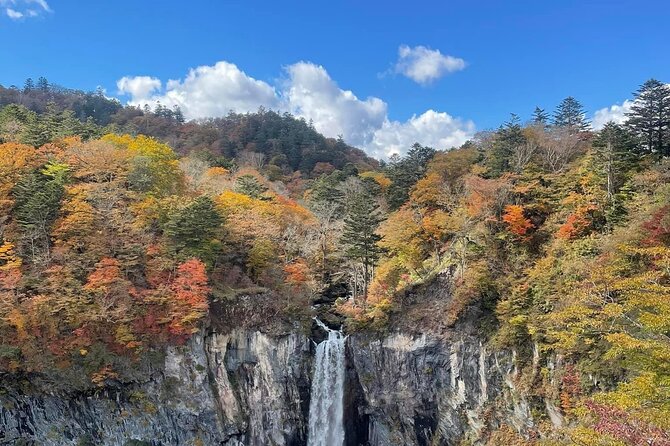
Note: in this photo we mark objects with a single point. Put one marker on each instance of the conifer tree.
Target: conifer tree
(360, 236)
(614, 152)
(570, 114)
(405, 172)
(38, 197)
(68, 125)
(193, 228)
(508, 137)
(540, 117)
(178, 114)
(29, 85)
(43, 84)
(649, 117)
(250, 186)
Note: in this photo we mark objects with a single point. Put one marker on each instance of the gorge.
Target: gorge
(247, 387)
(247, 281)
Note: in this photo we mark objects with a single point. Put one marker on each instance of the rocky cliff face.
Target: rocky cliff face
(243, 388)
(251, 388)
(419, 390)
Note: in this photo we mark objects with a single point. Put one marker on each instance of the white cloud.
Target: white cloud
(138, 87)
(424, 65)
(435, 129)
(616, 113)
(41, 3)
(311, 93)
(207, 91)
(307, 91)
(13, 14)
(19, 9)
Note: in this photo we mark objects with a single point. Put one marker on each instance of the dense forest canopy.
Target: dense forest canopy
(40, 112)
(122, 230)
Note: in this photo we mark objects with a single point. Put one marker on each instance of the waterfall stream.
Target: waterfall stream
(326, 427)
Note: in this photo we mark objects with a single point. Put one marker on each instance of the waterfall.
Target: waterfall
(326, 427)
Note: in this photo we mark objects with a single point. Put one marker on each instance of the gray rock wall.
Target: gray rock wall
(244, 388)
(249, 388)
(420, 390)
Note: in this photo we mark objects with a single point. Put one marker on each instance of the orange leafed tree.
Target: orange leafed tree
(517, 223)
(577, 224)
(190, 290)
(297, 272)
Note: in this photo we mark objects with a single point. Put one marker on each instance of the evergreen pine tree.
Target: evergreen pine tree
(649, 117)
(508, 137)
(43, 84)
(38, 197)
(68, 125)
(405, 172)
(540, 117)
(325, 190)
(90, 129)
(359, 235)
(14, 119)
(193, 228)
(614, 154)
(250, 186)
(43, 128)
(570, 114)
(178, 115)
(29, 85)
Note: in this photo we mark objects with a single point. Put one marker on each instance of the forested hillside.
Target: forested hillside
(40, 112)
(123, 230)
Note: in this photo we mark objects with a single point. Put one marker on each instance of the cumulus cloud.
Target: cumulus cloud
(207, 91)
(435, 129)
(310, 92)
(20, 9)
(138, 87)
(616, 113)
(307, 91)
(424, 65)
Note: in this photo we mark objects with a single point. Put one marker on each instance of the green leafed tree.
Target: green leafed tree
(616, 159)
(570, 114)
(649, 117)
(405, 172)
(250, 186)
(14, 120)
(193, 229)
(540, 117)
(360, 237)
(614, 151)
(508, 137)
(38, 198)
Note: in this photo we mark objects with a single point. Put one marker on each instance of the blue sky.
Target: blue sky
(469, 63)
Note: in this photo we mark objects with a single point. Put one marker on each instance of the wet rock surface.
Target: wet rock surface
(249, 387)
(242, 388)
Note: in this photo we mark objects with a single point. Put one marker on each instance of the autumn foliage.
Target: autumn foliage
(557, 241)
(190, 304)
(576, 225)
(517, 223)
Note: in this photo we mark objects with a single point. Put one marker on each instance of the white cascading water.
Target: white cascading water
(326, 427)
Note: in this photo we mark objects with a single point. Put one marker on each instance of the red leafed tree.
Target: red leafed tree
(111, 290)
(571, 388)
(517, 223)
(106, 272)
(623, 426)
(189, 304)
(658, 227)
